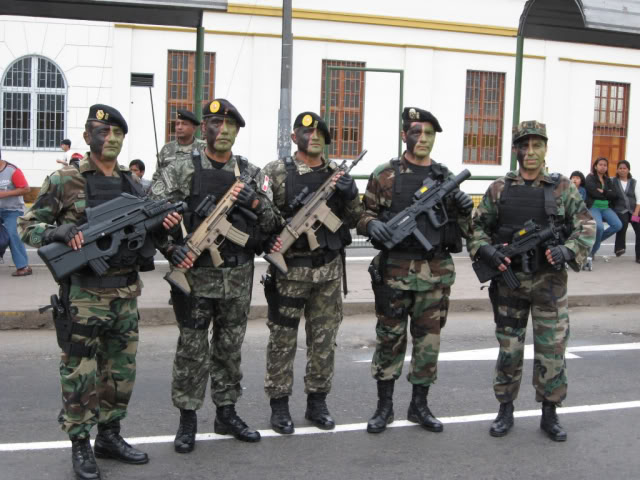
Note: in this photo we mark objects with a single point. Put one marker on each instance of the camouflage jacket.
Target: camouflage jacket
(571, 208)
(273, 181)
(171, 152)
(62, 199)
(174, 184)
(414, 275)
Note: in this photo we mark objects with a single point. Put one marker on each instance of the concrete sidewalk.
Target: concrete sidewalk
(613, 283)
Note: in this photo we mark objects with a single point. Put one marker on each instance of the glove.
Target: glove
(379, 231)
(491, 256)
(463, 201)
(635, 218)
(269, 243)
(179, 254)
(561, 254)
(63, 233)
(246, 196)
(347, 187)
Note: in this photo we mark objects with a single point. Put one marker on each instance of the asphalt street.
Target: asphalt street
(602, 412)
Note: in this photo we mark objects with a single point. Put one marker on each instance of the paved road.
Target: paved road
(601, 443)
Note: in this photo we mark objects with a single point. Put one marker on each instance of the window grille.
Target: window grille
(346, 108)
(611, 109)
(483, 118)
(34, 95)
(181, 82)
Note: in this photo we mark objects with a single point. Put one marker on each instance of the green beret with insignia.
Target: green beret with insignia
(415, 114)
(313, 120)
(107, 115)
(187, 115)
(222, 108)
(528, 128)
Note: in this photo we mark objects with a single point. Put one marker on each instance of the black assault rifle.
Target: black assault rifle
(427, 200)
(126, 218)
(524, 245)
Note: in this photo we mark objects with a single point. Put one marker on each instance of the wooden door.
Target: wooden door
(611, 148)
(610, 123)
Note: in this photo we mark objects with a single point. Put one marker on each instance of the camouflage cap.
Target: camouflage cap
(528, 128)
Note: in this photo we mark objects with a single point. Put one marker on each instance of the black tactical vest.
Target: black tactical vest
(216, 182)
(294, 184)
(100, 189)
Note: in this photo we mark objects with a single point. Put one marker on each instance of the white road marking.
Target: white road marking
(492, 353)
(353, 427)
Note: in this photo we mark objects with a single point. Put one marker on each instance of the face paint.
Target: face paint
(531, 152)
(105, 140)
(221, 133)
(420, 139)
(310, 140)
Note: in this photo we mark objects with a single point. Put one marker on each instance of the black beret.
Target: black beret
(189, 116)
(222, 108)
(108, 115)
(311, 119)
(414, 114)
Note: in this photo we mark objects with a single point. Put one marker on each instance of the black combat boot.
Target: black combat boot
(280, 417)
(228, 422)
(317, 411)
(419, 410)
(550, 423)
(84, 463)
(109, 444)
(503, 422)
(185, 440)
(383, 415)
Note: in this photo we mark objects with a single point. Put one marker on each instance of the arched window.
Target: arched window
(34, 98)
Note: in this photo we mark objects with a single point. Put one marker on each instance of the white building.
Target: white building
(458, 61)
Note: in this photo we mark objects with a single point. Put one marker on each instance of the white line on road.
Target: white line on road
(492, 353)
(352, 427)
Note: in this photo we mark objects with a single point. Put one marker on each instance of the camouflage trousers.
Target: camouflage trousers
(98, 389)
(428, 311)
(322, 306)
(545, 295)
(198, 358)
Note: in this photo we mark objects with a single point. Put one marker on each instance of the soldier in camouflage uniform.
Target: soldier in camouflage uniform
(407, 280)
(523, 194)
(98, 361)
(220, 297)
(312, 284)
(186, 124)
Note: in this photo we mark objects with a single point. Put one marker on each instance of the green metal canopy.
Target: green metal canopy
(184, 13)
(614, 23)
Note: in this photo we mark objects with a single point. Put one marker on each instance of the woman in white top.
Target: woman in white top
(627, 206)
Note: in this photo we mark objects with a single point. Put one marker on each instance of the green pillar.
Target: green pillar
(517, 93)
(197, 101)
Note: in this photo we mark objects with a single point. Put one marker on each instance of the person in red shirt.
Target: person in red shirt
(13, 186)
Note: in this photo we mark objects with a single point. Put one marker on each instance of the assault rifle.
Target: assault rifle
(211, 233)
(524, 245)
(314, 214)
(427, 200)
(125, 218)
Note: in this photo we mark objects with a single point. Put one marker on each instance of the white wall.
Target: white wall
(98, 59)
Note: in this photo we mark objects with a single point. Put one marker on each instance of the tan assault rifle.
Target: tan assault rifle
(314, 214)
(211, 233)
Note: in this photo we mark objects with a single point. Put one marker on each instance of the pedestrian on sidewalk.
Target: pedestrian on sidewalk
(627, 207)
(408, 281)
(601, 196)
(13, 186)
(525, 194)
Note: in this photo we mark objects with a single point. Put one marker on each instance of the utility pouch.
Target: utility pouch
(268, 281)
(181, 307)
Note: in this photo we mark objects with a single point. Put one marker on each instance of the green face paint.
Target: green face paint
(105, 140)
(310, 140)
(221, 133)
(420, 139)
(531, 152)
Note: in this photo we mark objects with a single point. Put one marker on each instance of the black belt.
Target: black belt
(230, 261)
(312, 261)
(415, 254)
(116, 281)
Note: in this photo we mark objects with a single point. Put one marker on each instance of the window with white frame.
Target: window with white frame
(34, 94)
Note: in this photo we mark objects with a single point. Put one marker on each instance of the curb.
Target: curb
(32, 319)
